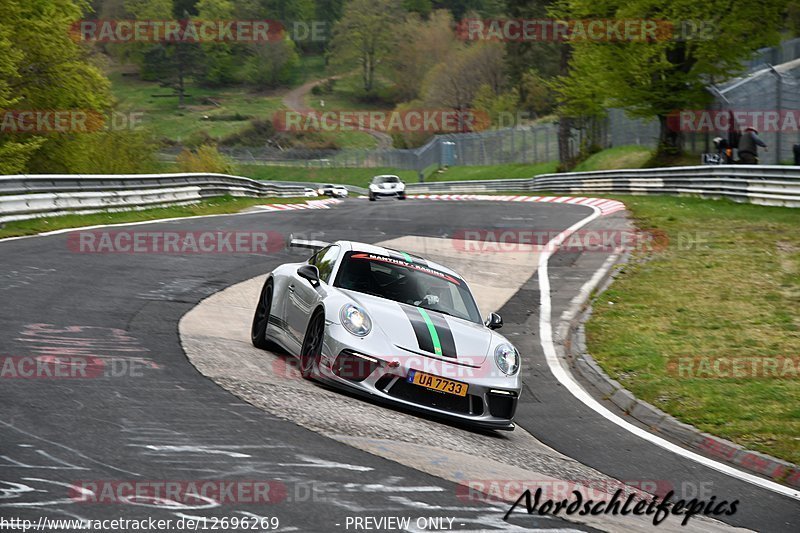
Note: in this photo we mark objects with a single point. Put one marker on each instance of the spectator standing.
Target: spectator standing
(748, 146)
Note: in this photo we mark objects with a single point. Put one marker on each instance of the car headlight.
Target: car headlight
(401, 186)
(507, 359)
(355, 320)
(373, 187)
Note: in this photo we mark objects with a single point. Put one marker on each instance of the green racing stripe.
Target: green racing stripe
(437, 345)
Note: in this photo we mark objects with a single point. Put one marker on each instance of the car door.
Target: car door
(303, 297)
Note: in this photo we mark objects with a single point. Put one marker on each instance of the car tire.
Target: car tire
(258, 330)
(311, 352)
(402, 197)
(371, 197)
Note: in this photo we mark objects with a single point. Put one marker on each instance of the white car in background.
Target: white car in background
(386, 185)
(309, 192)
(334, 191)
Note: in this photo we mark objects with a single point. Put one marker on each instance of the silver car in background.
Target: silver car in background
(392, 326)
(387, 185)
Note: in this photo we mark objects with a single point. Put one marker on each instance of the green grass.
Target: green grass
(347, 95)
(222, 205)
(616, 158)
(727, 285)
(508, 171)
(163, 117)
(309, 69)
(351, 139)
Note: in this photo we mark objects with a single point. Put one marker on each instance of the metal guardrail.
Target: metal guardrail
(23, 197)
(766, 185)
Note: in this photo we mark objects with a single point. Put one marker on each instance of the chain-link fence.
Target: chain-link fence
(530, 144)
(764, 88)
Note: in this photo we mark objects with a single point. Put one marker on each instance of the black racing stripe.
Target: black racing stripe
(420, 328)
(445, 334)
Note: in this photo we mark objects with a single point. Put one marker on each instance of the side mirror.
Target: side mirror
(494, 321)
(310, 273)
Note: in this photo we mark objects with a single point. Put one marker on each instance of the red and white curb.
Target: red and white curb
(311, 204)
(605, 205)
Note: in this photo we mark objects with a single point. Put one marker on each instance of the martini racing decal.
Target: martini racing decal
(432, 331)
(407, 264)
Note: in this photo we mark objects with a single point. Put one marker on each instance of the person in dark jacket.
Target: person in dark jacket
(748, 146)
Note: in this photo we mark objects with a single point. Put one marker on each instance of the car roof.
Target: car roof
(380, 250)
(386, 176)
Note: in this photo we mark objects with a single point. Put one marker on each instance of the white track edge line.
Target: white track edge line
(566, 379)
(261, 211)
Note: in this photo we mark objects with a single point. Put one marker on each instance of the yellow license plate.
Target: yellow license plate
(438, 384)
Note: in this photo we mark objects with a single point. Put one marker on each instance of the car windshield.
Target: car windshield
(410, 282)
(386, 179)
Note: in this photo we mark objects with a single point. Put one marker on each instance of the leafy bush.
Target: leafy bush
(258, 133)
(205, 159)
(103, 152)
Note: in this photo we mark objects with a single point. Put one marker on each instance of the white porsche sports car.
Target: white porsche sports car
(392, 326)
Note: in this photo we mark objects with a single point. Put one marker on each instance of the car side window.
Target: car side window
(325, 260)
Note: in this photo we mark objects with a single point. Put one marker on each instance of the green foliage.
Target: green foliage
(258, 133)
(14, 153)
(496, 109)
(44, 70)
(454, 83)
(105, 152)
(656, 77)
(538, 96)
(205, 159)
(421, 45)
(326, 87)
(272, 64)
(421, 7)
(364, 37)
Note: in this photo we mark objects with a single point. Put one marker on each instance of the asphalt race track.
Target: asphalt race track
(160, 419)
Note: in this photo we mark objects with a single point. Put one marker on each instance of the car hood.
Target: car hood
(407, 327)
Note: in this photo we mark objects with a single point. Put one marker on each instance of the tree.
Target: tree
(538, 99)
(530, 55)
(420, 7)
(45, 70)
(656, 78)
(364, 36)
(271, 64)
(169, 63)
(219, 63)
(14, 153)
(422, 45)
(455, 83)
